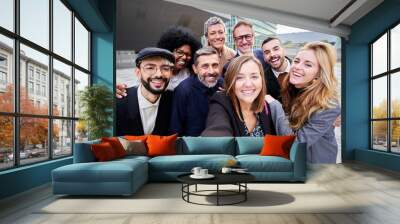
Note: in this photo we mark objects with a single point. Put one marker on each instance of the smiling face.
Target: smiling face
(182, 54)
(207, 69)
(244, 39)
(274, 54)
(304, 69)
(248, 83)
(216, 36)
(154, 74)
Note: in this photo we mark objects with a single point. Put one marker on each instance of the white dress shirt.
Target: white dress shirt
(148, 112)
(276, 73)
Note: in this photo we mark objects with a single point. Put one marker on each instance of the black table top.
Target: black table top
(220, 178)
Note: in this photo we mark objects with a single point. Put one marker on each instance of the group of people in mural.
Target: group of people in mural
(215, 91)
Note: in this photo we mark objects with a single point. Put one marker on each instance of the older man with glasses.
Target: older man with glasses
(244, 37)
(147, 108)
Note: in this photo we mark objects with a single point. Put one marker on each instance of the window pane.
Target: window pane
(6, 74)
(33, 139)
(6, 142)
(35, 21)
(395, 138)
(81, 45)
(81, 81)
(81, 131)
(62, 141)
(62, 29)
(379, 135)
(62, 89)
(7, 14)
(395, 95)
(34, 72)
(379, 97)
(395, 47)
(379, 55)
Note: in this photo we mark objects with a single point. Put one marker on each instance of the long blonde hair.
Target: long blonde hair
(230, 79)
(321, 94)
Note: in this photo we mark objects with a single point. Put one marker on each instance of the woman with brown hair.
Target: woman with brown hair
(310, 100)
(240, 110)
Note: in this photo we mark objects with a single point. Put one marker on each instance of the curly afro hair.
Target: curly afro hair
(175, 37)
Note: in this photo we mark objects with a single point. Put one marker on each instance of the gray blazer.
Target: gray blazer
(317, 132)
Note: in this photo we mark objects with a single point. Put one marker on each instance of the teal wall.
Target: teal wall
(99, 16)
(356, 88)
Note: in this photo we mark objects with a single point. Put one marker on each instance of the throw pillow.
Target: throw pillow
(117, 146)
(103, 151)
(277, 145)
(161, 145)
(136, 147)
(133, 137)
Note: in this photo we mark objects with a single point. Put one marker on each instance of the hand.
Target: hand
(269, 98)
(121, 91)
(221, 89)
(338, 121)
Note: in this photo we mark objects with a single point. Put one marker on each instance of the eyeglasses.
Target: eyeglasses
(152, 69)
(180, 53)
(247, 37)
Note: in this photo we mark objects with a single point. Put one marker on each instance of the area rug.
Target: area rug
(167, 198)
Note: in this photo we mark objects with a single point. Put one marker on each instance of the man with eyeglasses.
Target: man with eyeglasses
(243, 35)
(147, 108)
(191, 96)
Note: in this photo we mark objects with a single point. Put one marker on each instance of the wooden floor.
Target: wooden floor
(377, 188)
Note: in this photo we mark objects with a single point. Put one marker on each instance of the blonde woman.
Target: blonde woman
(309, 96)
(215, 32)
(240, 110)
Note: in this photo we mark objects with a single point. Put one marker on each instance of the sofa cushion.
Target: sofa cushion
(185, 163)
(112, 171)
(257, 163)
(207, 145)
(249, 145)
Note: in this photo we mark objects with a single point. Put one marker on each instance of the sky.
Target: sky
(281, 29)
(35, 27)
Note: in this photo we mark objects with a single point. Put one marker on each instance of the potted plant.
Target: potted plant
(96, 102)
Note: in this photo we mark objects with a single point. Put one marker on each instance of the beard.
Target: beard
(208, 84)
(281, 60)
(146, 84)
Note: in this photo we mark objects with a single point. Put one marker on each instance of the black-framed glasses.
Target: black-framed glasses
(181, 53)
(247, 37)
(152, 69)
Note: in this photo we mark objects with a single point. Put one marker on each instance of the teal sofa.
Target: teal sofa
(125, 176)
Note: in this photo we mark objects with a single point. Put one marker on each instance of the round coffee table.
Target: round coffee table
(238, 179)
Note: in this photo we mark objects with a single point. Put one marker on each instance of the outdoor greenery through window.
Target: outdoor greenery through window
(385, 95)
(44, 64)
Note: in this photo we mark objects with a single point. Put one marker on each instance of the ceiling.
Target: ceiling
(326, 16)
(140, 23)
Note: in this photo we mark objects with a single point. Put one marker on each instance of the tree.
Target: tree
(33, 131)
(380, 127)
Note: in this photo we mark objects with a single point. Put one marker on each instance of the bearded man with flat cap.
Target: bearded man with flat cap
(147, 107)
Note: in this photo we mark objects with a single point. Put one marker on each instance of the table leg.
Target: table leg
(245, 191)
(217, 194)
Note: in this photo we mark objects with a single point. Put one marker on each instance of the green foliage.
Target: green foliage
(97, 102)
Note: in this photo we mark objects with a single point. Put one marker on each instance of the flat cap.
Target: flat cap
(155, 51)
